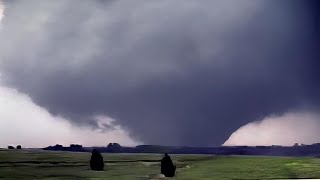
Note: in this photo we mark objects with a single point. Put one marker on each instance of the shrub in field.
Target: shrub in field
(167, 167)
(96, 162)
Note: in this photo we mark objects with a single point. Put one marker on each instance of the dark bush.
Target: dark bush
(96, 162)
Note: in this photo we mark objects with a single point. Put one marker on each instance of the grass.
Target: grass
(246, 167)
(66, 165)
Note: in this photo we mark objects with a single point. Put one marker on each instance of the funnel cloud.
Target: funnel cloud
(286, 129)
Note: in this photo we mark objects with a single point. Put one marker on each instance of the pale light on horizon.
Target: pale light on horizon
(24, 123)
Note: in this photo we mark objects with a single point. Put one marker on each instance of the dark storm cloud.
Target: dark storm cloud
(172, 72)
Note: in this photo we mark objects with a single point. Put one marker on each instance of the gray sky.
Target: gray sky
(167, 72)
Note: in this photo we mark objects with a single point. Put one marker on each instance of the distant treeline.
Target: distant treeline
(302, 150)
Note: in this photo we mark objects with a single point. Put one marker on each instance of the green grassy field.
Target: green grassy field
(65, 165)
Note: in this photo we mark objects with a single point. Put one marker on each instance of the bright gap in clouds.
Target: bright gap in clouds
(286, 129)
(1, 11)
(23, 122)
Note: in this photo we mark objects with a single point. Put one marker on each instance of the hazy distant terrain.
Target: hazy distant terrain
(66, 165)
